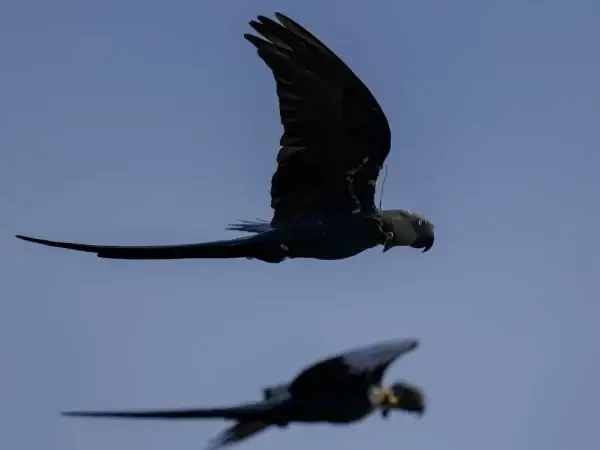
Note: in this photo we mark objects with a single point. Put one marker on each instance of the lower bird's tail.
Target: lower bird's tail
(249, 226)
(247, 412)
(173, 414)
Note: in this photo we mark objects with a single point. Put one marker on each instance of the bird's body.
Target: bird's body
(333, 408)
(335, 142)
(341, 389)
(329, 238)
(326, 239)
(330, 406)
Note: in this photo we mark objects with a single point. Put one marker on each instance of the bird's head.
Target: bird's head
(400, 395)
(404, 227)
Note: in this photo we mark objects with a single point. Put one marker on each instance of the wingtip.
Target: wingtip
(254, 40)
(414, 343)
(280, 16)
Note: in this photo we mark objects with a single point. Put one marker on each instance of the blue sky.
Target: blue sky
(146, 122)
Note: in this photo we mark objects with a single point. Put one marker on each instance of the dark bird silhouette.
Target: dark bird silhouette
(341, 389)
(335, 142)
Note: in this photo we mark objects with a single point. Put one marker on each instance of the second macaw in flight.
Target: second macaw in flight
(341, 389)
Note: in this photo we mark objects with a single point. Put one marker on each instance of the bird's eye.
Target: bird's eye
(420, 222)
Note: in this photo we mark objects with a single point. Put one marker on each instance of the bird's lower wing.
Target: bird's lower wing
(247, 412)
(236, 433)
(234, 248)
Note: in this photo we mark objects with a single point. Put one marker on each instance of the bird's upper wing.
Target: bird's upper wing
(354, 367)
(336, 136)
(246, 412)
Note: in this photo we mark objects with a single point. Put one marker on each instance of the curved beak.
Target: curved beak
(424, 242)
(428, 243)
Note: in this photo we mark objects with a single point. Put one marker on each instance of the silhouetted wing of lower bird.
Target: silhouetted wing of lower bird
(247, 412)
(336, 136)
(236, 433)
(234, 248)
(353, 368)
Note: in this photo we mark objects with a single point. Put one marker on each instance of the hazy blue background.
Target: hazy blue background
(144, 122)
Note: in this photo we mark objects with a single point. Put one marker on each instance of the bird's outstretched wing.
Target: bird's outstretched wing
(247, 412)
(217, 249)
(336, 136)
(353, 368)
(236, 433)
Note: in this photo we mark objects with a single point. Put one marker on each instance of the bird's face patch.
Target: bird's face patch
(400, 396)
(424, 230)
(381, 397)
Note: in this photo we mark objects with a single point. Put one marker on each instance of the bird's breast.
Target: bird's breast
(332, 407)
(334, 239)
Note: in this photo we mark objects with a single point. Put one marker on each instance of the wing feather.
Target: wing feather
(353, 368)
(336, 136)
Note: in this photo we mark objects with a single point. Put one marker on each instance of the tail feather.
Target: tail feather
(173, 414)
(249, 226)
(247, 412)
(235, 248)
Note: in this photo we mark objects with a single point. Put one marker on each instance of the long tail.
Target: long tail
(249, 226)
(243, 413)
(247, 247)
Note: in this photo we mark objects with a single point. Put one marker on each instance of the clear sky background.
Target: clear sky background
(145, 122)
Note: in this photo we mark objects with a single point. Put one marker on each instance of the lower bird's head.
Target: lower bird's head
(404, 227)
(401, 396)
